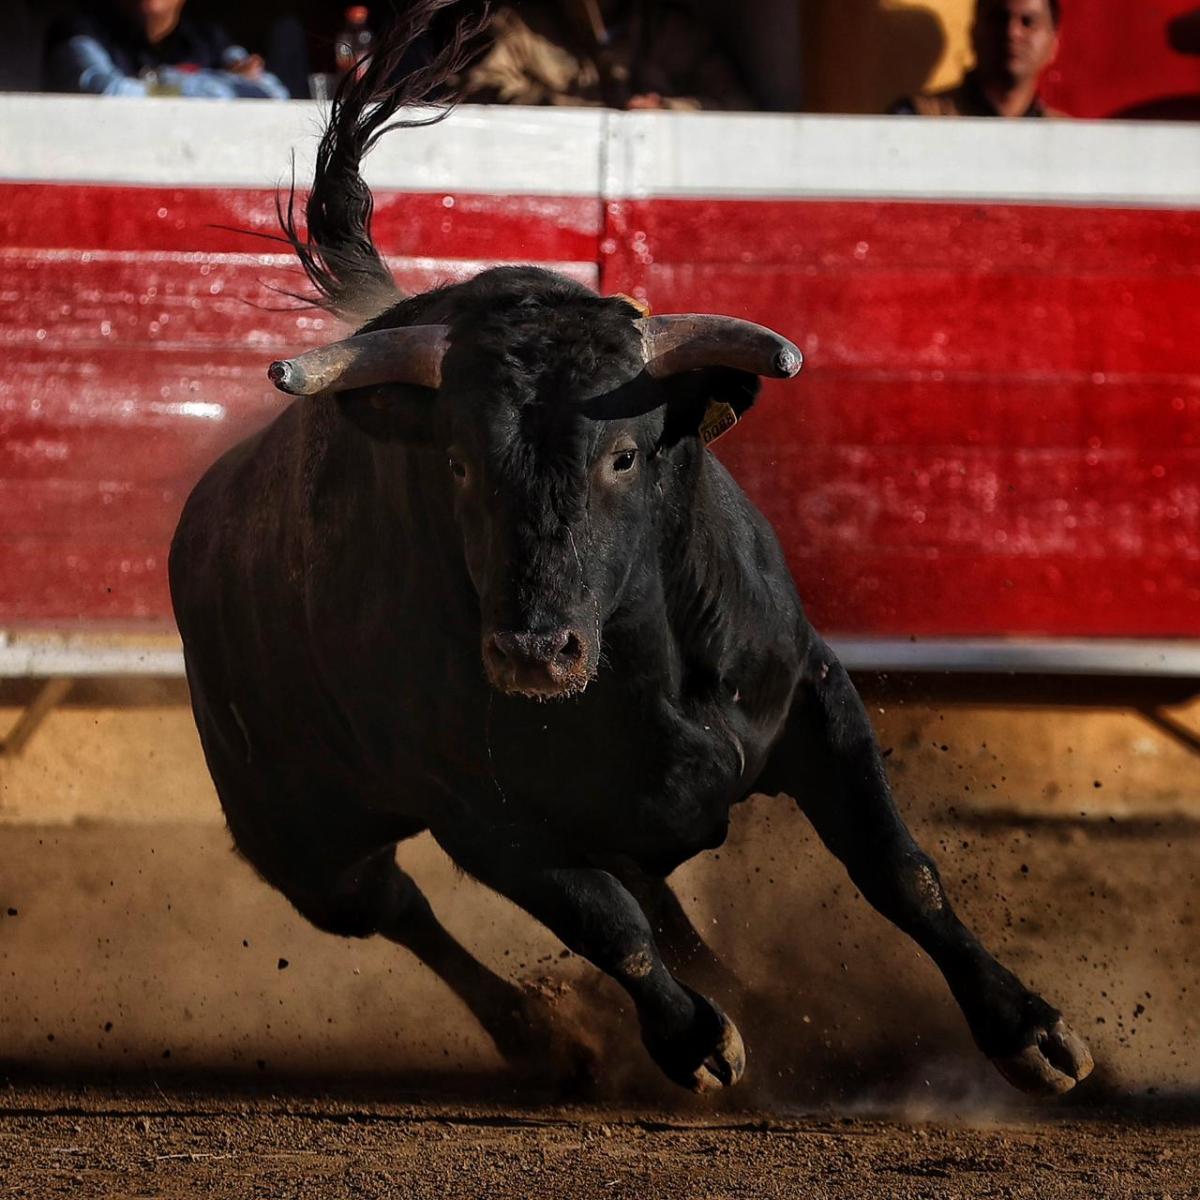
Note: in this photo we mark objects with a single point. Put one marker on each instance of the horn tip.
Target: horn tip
(284, 375)
(788, 362)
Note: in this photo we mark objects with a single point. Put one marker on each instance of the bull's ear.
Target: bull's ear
(392, 412)
(706, 403)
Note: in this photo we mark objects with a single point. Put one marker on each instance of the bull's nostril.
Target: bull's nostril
(535, 662)
(570, 649)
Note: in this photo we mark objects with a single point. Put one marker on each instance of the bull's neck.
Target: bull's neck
(699, 563)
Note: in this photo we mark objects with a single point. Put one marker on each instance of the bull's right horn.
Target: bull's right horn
(409, 354)
(687, 341)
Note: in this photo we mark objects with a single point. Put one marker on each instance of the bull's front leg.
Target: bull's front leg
(828, 759)
(593, 914)
(684, 950)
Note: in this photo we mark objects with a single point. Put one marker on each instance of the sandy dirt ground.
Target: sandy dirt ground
(155, 1143)
(166, 1016)
(170, 1027)
(154, 948)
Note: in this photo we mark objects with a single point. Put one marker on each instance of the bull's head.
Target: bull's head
(560, 426)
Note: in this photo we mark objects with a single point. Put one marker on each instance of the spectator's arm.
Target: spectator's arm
(264, 87)
(81, 64)
(250, 78)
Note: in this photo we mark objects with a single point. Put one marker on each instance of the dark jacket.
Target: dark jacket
(965, 99)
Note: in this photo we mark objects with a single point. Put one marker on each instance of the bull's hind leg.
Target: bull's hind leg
(829, 761)
(359, 895)
(336, 864)
(594, 915)
(374, 896)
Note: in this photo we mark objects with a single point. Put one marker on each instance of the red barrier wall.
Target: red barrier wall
(996, 431)
(137, 329)
(998, 427)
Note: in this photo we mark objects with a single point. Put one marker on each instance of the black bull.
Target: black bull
(489, 583)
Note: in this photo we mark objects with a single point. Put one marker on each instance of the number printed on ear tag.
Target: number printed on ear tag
(719, 419)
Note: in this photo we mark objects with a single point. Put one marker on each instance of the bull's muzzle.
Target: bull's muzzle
(543, 665)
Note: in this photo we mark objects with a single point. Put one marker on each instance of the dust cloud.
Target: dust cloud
(146, 945)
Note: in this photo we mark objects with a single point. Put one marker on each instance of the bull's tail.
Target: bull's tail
(336, 249)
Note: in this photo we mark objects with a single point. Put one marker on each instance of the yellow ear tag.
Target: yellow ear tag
(719, 419)
(634, 302)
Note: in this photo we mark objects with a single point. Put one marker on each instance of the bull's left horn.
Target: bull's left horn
(687, 341)
(410, 354)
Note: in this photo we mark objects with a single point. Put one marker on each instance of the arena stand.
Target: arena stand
(990, 466)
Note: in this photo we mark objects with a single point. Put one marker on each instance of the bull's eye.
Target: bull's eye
(458, 469)
(623, 460)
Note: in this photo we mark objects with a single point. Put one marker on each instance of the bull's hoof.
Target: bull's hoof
(706, 1056)
(1052, 1064)
(725, 1065)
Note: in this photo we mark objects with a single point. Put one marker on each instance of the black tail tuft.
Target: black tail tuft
(336, 250)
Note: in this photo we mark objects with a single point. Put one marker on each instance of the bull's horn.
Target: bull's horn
(686, 341)
(410, 354)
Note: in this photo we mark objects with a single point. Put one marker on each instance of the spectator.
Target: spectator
(619, 53)
(149, 47)
(1014, 42)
